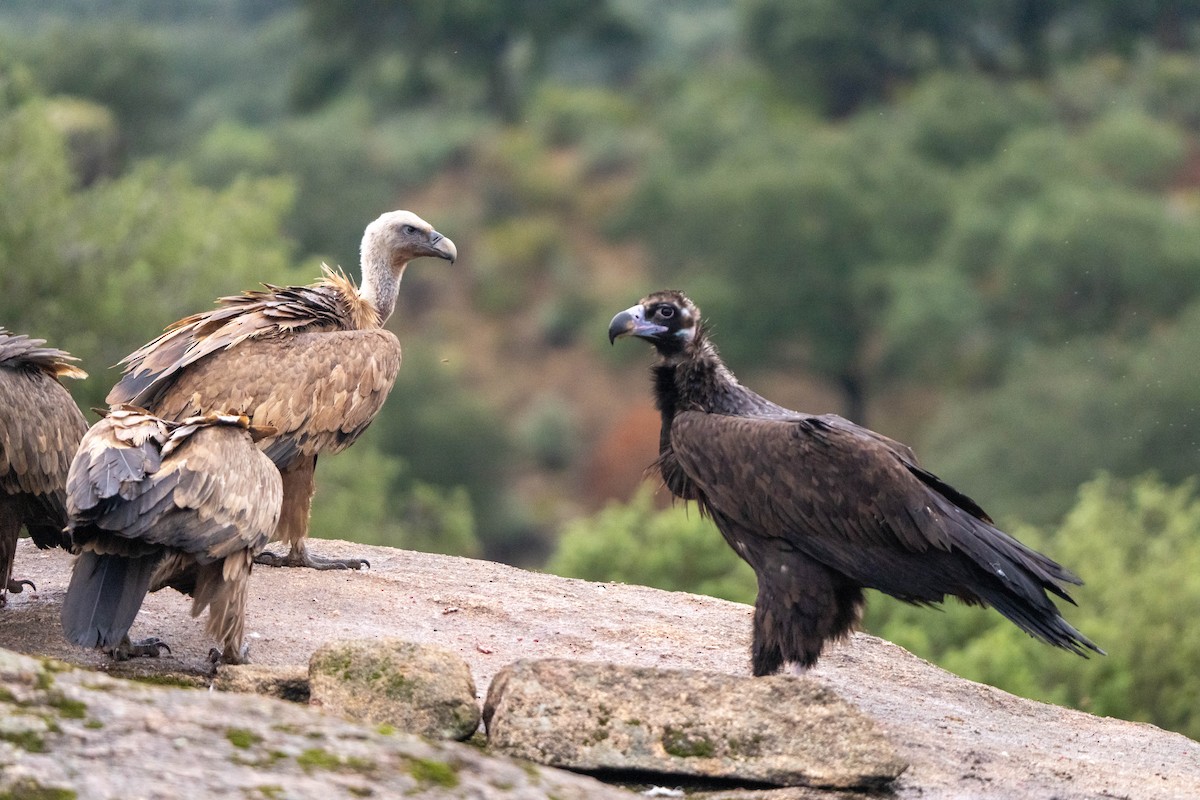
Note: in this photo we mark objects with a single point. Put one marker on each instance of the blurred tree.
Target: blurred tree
(99, 271)
(365, 496)
(1063, 413)
(786, 231)
(1134, 544)
(836, 55)
(115, 65)
(501, 43)
(673, 549)
(451, 439)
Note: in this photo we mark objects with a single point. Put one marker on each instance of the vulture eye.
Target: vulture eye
(666, 312)
(409, 230)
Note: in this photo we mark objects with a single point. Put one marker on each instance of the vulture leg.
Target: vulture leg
(10, 527)
(292, 530)
(801, 605)
(221, 586)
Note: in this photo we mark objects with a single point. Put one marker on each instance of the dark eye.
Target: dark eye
(666, 312)
(409, 230)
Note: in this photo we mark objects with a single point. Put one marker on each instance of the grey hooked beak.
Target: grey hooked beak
(632, 322)
(442, 247)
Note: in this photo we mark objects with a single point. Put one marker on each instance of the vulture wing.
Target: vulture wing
(319, 391)
(40, 428)
(858, 503)
(203, 490)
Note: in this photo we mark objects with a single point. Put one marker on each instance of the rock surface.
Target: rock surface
(74, 733)
(780, 730)
(962, 739)
(415, 688)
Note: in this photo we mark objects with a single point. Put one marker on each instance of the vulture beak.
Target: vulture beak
(442, 247)
(632, 322)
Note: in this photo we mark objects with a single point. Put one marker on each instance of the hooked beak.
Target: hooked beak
(632, 322)
(442, 247)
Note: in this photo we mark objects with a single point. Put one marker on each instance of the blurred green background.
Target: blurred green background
(973, 226)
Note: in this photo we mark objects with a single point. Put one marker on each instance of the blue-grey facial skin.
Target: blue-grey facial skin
(632, 322)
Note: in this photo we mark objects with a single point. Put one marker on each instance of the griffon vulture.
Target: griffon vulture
(313, 362)
(40, 428)
(153, 503)
(822, 508)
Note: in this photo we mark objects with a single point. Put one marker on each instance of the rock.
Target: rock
(781, 730)
(76, 733)
(285, 682)
(412, 687)
(962, 739)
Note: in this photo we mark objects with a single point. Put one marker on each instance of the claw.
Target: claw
(300, 557)
(146, 648)
(230, 655)
(17, 586)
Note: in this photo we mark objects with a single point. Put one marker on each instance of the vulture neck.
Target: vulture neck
(696, 379)
(381, 272)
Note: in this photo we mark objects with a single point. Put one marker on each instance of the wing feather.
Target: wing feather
(854, 501)
(319, 391)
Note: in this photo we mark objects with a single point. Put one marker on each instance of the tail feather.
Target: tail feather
(1040, 620)
(104, 596)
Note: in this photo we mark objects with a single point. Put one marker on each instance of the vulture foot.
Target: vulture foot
(299, 557)
(16, 586)
(230, 655)
(147, 648)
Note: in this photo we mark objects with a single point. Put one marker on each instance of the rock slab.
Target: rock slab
(781, 730)
(413, 687)
(68, 733)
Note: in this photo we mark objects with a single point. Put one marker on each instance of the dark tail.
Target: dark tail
(104, 596)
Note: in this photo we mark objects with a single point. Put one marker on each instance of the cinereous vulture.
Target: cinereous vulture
(40, 429)
(153, 503)
(822, 508)
(313, 362)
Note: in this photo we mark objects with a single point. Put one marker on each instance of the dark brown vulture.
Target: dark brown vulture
(312, 362)
(153, 503)
(40, 428)
(822, 508)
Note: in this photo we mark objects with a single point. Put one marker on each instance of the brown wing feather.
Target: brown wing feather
(40, 426)
(319, 391)
(850, 500)
(202, 489)
(280, 311)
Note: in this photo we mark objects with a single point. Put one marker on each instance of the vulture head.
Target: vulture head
(388, 244)
(398, 237)
(666, 319)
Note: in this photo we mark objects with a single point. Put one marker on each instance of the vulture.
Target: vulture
(313, 362)
(40, 428)
(153, 503)
(822, 508)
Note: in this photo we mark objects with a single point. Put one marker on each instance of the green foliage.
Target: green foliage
(416, 50)
(1062, 414)
(671, 549)
(1134, 544)
(101, 270)
(366, 496)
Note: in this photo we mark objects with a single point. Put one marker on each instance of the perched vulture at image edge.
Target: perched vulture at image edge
(822, 508)
(153, 503)
(40, 428)
(312, 362)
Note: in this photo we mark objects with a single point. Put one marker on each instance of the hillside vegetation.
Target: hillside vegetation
(974, 227)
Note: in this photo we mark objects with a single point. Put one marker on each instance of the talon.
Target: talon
(146, 648)
(17, 586)
(269, 559)
(303, 558)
